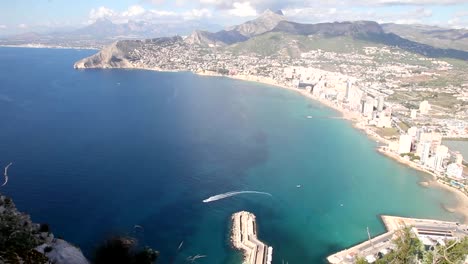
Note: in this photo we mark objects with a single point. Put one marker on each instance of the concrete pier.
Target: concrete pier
(244, 237)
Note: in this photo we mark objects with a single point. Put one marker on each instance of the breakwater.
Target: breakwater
(244, 237)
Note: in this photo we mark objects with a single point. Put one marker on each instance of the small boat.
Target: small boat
(309, 117)
(298, 186)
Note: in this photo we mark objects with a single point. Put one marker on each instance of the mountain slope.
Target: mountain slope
(368, 31)
(430, 35)
(330, 29)
(222, 37)
(264, 23)
(292, 45)
(105, 32)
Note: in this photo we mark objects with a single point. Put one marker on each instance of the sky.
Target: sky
(19, 16)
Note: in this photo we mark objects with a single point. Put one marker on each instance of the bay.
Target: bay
(97, 152)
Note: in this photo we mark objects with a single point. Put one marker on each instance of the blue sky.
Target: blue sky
(34, 15)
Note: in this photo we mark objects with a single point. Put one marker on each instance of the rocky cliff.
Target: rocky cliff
(264, 23)
(112, 56)
(123, 53)
(22, 241)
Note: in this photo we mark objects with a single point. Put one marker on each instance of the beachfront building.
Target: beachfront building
(413, 131)
(367, 106)
(425, 151)
(380, 105)
(455, 171)
(435, 139)
(404, 145)
(440, 155)
(459, 158)
(424, 107)
(349, 92)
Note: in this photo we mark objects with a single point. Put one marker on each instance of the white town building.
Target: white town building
(455, 171)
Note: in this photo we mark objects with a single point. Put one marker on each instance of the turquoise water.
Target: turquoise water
(96, 152)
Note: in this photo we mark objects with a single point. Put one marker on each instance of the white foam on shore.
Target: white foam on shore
(229, 194)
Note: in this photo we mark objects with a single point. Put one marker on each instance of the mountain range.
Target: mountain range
(431, 35)
(425, 40)
(369, 31)
(103, 32)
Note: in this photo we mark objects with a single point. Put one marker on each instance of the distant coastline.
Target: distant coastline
(40, 46)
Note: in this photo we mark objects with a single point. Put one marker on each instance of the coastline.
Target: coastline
(48, 47)
(460, 208)
(461, 199)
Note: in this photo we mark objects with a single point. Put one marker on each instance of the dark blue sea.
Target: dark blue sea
(97, 152)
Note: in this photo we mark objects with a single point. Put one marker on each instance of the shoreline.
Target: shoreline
(461, 207)
(461, 199)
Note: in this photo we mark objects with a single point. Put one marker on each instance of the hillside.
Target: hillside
(264, 23)
(222, 38)
(286, 44)
(430, 35)
(368, 31)
(355, 29)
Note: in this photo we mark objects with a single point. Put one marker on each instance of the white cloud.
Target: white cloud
(101, 12)
(261, 5)
(230, 12)
(22, 26)
(415, 2)
(197, 14)
(133, 11)
(138, 13)
(241, 9)
(322, 14)
(462, 14)
(3, 27)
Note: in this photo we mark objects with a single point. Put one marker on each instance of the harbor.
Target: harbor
(244, 238)
(429, 231)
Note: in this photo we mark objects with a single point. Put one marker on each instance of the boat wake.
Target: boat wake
(229, 194)
(5, 174)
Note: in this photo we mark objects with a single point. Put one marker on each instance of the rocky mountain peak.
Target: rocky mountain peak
(279, 12)
(264, 23)
(270, 12)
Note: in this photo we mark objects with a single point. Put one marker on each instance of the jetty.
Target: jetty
(429, 231)
(244, 237)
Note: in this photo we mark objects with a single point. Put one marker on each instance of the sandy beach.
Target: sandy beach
(461, 206)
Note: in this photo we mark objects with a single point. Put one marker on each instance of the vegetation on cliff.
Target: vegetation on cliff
(19, 236)
(22, 241)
